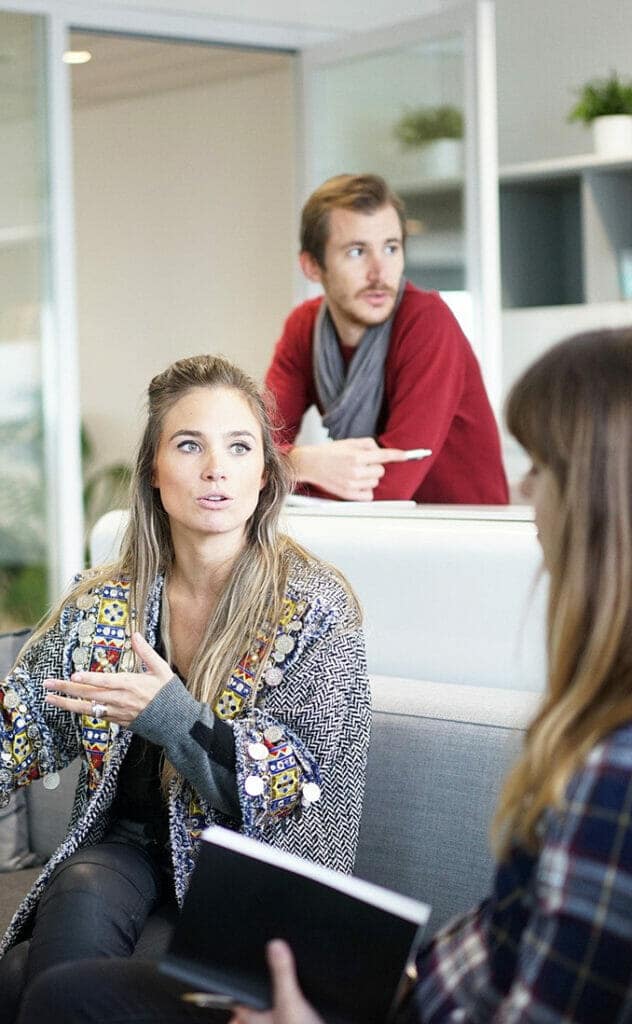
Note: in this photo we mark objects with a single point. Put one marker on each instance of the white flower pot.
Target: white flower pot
(440, 159)
(443, 158)
(612, 135)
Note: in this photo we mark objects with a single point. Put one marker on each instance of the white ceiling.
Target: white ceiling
(340, 15)
(133, 66)
(127, 66)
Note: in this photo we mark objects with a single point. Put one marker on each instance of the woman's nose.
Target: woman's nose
(214, 467)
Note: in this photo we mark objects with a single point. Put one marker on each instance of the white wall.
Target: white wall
(185, 238)
(545, 50)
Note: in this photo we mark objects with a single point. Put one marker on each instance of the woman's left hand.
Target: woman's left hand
(289, 1003)
(121, 695)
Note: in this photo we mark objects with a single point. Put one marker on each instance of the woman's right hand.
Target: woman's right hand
(289, 1003)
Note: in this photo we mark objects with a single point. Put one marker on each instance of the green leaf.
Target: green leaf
(420, 125)
(602, 97)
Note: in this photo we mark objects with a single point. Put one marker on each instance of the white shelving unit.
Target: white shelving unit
(565, 224)
(435, 250)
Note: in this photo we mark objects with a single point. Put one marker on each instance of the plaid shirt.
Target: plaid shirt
(553, 943)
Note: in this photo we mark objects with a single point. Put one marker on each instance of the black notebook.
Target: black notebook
(352, 940)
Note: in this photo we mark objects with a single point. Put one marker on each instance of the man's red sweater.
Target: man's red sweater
(434, 397)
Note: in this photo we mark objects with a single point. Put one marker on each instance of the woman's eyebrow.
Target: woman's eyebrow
(188, 433)
(200, 433)
(240, 433)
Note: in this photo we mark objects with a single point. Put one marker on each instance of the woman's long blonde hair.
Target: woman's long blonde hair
(572, 412)
(254, 594)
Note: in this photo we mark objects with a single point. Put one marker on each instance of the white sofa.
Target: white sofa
(450, 595)
(447, 599)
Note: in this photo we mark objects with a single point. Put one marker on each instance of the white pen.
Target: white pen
(417, 453)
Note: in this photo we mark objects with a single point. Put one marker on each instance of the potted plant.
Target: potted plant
(438, 133)
(421, 125)
(606, 105)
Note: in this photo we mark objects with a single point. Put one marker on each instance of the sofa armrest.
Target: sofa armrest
(437, 758)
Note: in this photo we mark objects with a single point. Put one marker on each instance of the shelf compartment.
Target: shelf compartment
(541, 242)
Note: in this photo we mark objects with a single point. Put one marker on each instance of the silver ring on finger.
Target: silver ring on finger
(98, 710)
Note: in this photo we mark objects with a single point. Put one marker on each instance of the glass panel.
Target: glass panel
(183, 180)
(401, 114)
(23, 196)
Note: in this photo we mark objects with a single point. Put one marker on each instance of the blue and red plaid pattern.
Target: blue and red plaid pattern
(553, 943)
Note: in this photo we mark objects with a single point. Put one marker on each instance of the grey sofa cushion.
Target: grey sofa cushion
(437, 758)
(10, 646)
(49, 811)
(15, 851)
(13, 888)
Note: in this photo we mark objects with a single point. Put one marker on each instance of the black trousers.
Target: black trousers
(95, 905)
(110, 992)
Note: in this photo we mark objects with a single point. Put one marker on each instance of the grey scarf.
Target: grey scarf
(352, 400)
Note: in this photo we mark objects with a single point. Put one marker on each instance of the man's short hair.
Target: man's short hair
(364, 193)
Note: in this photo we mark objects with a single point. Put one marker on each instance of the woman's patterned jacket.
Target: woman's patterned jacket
(301, 738)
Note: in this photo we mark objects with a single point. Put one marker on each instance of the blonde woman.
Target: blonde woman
(214, 673)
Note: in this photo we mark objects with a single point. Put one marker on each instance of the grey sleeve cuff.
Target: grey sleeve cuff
(199, 745)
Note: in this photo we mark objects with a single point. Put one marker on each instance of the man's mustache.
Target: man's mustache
(378, 288)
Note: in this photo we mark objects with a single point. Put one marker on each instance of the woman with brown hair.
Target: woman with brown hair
(215, 673)
(553, 942)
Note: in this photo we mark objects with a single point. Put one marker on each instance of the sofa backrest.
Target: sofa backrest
(444, 599)
(451, 600)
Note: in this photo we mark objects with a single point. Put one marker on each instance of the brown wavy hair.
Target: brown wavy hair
(572, 412)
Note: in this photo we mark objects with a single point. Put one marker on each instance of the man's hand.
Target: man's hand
(121, 695)
(349, 469)
(289, 1003)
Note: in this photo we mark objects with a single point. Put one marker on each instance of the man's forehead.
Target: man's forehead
(356, 225)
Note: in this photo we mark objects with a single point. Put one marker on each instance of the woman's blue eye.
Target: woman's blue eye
(240, 447)
(189, 446)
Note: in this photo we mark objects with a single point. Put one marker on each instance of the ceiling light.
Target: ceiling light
(77, 57)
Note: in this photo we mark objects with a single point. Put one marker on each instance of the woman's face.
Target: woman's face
(209, 466)
(540, 488)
